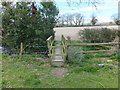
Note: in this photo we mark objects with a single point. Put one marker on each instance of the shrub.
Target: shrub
(74, 54)
(98, 35)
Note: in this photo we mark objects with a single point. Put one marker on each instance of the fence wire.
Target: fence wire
(29, 50)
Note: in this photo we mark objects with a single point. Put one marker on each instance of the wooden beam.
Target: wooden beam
(58, 46)
(21, 48)
(96, 51)
(95, 44)
(56, 54)
(49, 38)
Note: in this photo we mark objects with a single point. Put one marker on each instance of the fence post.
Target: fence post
(69, 39)
(69, 42)
(119, 26)
(21, 49)
(50, 42)
(118, 43)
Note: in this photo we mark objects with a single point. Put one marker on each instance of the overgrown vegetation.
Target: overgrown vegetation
(31, 72)
(115, 18)
(98, 70)
(98, 35)
(21, 25)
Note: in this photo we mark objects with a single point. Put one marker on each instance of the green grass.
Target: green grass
(57, 42)
(76, 41)
(87, 48)
(28, 72)
(31, 73)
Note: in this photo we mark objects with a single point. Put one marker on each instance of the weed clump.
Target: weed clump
(74, 54)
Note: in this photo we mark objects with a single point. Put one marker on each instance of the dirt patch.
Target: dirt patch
(59, 72)
(46, 65)
(29, 66)
(39, 59)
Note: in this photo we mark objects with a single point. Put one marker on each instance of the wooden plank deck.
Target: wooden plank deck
(58, 60)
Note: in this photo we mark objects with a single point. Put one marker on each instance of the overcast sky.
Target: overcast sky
(104, 10)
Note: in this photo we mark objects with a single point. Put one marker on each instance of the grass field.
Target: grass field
(34, 71)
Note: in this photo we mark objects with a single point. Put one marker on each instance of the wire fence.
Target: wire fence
(28, 50)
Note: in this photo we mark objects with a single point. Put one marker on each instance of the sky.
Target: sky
(103, 12)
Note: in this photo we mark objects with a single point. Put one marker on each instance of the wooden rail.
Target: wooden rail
(94, 44)
(50, 42)
(63, 46)
(57, 53)
(95, 51)
(64, 43)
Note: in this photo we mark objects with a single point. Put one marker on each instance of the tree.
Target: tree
(83, 20)
(77, 19)
(70, 19)
(34, 9)
(79, 2)
(49, 13)
(64, 20)
(20, 25)
(111, 23)
(15, 22)
(115, 19)
(61, 20)
(94, 20)
(67, 19)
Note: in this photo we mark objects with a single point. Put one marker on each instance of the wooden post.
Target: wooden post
(119, 25)
(21, 49)
(119, 38)
(50, 43)
(69, 40)
(68, 43)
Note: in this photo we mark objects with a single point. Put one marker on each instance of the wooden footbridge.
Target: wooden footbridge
(57, 53)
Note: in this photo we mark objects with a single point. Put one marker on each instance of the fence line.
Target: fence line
(95, 51)
(65, 44)
(94, 44)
